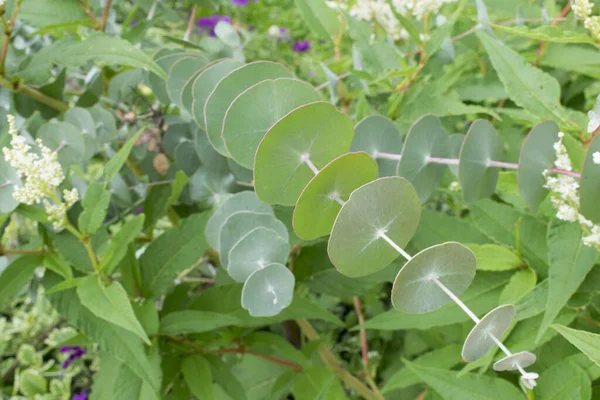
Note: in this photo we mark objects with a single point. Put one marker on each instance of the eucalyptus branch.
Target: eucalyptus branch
(335, 366)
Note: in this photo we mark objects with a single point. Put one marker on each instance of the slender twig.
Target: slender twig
(588, 319)
(542, 46)
(35, 94)
(8, 29)
(89, 13)
(335, 366)
(364, 346)
(105, 15)
(188, 31)
(340, 77)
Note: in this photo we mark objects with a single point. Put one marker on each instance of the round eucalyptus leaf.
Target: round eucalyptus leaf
(268, 291)
(415, 291)
(426, 138)
(481, 144)
(319, 203)
(180, 73)
(377, 134)
(317, 130)
(81, 118)
(187, 95)
(178, 131)
(207, 187)
(255, 110)
(455, 142)
(522, 359)
(537, 155)
(387, 205)
(186, 157)
(105, 124)
(210, 158)
(228, 88)
(242, 201)
(205, 83)
(495, 323)
(242, 174)
(241, 223)
(9, 179)
(260, 247)
(589, 190)
(66, 136)
(227, 34)
(165, 58)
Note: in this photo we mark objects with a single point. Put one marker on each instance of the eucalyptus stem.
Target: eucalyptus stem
(335, 366)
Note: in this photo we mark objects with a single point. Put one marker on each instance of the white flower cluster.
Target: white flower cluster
(419, 8)
(381, 12)
(583, 10)
(42, 175)
(566, 189)
(596, 157)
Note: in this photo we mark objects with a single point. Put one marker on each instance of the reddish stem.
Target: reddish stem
(555, 22)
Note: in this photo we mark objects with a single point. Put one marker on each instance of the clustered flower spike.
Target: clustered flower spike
(42, 175)
(583, 10)
(566, 198)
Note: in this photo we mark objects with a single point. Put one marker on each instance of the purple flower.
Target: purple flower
(301, 46)
(311, 73)
(139, 210)
(81, 396)
(74, 352)
(209, 23)
(133, 22)
(242, 3)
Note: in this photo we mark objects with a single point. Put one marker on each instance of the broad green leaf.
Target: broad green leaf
(111, 304)
(321, 19)
(587, 342)
(318, 383)
(197, 374)
(223, 375)
(128, 386)
(170, 254)
(105, 378)
(437, 227)
(95, 204)
(118, 342)
(377, 134)
(491, 257)
(16, 275)
(182, 72)
(120, 242)
(561, 56)
(58, 264)
(190, 321)
(469, 386)
(446, 357)
(246, 123)
(521, 283)
(65, 285)
(113, 166)
(98, 47)
(565, 380)
(257, 376)
(42, 13)
(546, 33)
(73, 250)
(570, 261)
(147, 314)
(529, 87)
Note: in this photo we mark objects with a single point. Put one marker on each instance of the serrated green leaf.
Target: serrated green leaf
(16, 275)
(318, 383)
(565, 380)
(113, 166)
(570, 261)
(173, 252)
(98, 47)
(198, 376)
(111, 304)
(491, 257)
(587, 342)
(469, 386)
(95, 204)
(529, 87)
(190, 321)
(120, 242)
(42, 13)
(546, 33)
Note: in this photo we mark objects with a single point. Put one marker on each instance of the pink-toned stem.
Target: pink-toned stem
(564, 172)
(387, 156)
(440, 160)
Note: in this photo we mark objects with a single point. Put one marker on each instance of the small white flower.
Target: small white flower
(582, 8)
(594, 116)
(71, 197)
(455, 187)
(596, 157)
(273, 32)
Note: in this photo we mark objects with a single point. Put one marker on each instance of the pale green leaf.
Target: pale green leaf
(119, 243)
(113, 166)
(546, 33)
(16, 275)
(491, 257)
(587, 342)
(321, 19)
(190, 321)
(95, 204)
(197, 374)
(111, 304)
